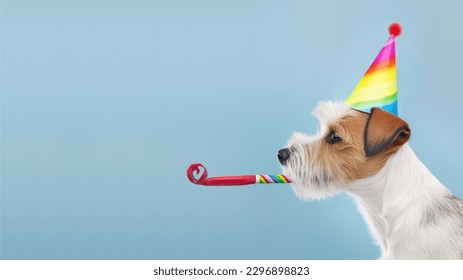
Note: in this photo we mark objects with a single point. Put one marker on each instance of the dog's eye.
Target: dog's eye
(333, 138)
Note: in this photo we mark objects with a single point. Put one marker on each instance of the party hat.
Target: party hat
(378, 86)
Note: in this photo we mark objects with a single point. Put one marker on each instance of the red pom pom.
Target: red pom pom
(395, 29)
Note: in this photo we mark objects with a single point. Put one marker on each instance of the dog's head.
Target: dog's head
(350, 145)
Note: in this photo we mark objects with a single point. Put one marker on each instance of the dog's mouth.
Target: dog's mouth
(295, 164)
(321, 179)
(311, 180)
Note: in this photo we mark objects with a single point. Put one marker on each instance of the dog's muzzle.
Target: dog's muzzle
(283, 155)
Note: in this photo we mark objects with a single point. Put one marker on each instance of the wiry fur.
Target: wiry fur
(409, 212)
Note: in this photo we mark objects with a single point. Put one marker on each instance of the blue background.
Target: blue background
(106, 103)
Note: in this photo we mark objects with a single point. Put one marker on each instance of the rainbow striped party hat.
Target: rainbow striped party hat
(378, 86)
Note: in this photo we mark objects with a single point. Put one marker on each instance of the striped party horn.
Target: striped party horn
(231, 180)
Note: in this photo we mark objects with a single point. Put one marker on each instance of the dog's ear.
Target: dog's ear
(384, 130)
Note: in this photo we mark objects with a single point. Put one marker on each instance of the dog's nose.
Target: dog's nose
(283, 155)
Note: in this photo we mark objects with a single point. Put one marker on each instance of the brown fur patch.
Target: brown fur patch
(347, 160)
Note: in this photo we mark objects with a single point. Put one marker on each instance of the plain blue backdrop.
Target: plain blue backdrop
(105, 104)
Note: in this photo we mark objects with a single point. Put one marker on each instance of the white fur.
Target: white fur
(409, 212)
(329, 112)
(395, 202)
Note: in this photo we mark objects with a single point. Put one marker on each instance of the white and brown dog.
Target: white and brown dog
(409, 212)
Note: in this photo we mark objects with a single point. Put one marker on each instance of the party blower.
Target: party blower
(377, 88)
(231, 180)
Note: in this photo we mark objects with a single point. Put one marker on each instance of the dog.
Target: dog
(410, 214)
